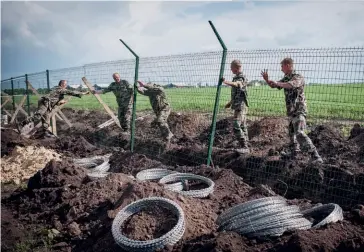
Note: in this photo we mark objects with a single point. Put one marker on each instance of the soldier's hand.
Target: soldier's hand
(222, 79)
(93, 91)
(272, 84)
(140, 89)
(61, 102)
(141, 83)
(265, 76)
(86, 93)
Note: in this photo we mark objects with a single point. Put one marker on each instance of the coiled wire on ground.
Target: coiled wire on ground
(95, 169)
(153, 174)
(258, 204)
(333, 213)
(157, 174)
(269, 216)
(201, 193)
(170, 238)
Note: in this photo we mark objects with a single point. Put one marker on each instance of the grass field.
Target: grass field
(342, 102)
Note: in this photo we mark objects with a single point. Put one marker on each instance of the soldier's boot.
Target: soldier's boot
(316, 158)
(168, 138)
(25, 126)
(291, 153)
(48, 134)
(244, 147)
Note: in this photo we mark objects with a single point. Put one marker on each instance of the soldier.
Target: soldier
(123, 92)
(239, 103)
(49, 102)
(160, 105)
(293, 85)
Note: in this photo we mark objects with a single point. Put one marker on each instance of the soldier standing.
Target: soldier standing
(239, 103)
(293, 85)
(49, 102)
(160, 105)
(123, 92)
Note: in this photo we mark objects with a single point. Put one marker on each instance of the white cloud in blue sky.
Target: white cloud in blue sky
(47, 35)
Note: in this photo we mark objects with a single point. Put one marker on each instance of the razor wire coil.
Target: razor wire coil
(170, 238)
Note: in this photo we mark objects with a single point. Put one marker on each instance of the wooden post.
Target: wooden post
(19, 106)
(54, 124)
(107, 109)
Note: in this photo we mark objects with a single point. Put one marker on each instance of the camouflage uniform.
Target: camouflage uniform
(296, 112)
(47, 103)
(161, 107)
(123, 92)
(239, 103)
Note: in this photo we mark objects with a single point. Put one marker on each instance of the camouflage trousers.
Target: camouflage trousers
(161, 122)
(42, 114)
(298, 137)
(124, 116)
(239, 125)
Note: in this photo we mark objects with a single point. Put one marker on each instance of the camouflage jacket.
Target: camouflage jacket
(123, 92)
(157, 97)
(295, 97)
(57, 94)
(239, 92)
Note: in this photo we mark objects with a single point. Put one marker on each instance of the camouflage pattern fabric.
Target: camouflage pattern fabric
(298, 137)
(123, 92)
(239, 103)
(239, 95)
(47, 103)
(240, 126)
(160, 105)
(295, 97)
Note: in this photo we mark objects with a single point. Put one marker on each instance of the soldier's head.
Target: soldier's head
(62, 83)
(235, 66)
(287, 65)
(116, 77)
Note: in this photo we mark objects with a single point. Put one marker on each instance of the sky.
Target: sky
(36, 36)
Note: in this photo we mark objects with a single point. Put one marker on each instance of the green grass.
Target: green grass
(344, 102)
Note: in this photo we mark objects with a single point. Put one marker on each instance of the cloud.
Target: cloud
(76, 33)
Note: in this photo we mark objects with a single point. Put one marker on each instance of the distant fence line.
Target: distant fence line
(334, 77)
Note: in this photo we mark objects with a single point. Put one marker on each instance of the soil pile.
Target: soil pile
(24, 162)
(268, 135)
(328, 140)
(10, 139)
(57, 174)
(61, 198)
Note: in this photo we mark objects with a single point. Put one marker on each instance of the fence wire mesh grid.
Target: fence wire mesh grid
(335, 98)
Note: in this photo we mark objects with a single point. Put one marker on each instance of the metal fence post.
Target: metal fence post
(12, 91)
(217, 98)
(27, 93)
(48, 83)
(132, 135)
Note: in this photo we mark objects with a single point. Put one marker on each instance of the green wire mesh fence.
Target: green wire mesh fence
(335, 98)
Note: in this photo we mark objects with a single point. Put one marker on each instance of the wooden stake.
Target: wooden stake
(107, 109)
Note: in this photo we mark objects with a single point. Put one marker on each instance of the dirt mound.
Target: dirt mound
(223, 135)
(336, 237)
(356, 131)
(263, 134)
(24, 162)
(61, 198)
(73, 146)
(187, 124)
(130, 163)
(328, 140)
(269, 133)
(57, 174)
(149, 224)
(10, 139)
